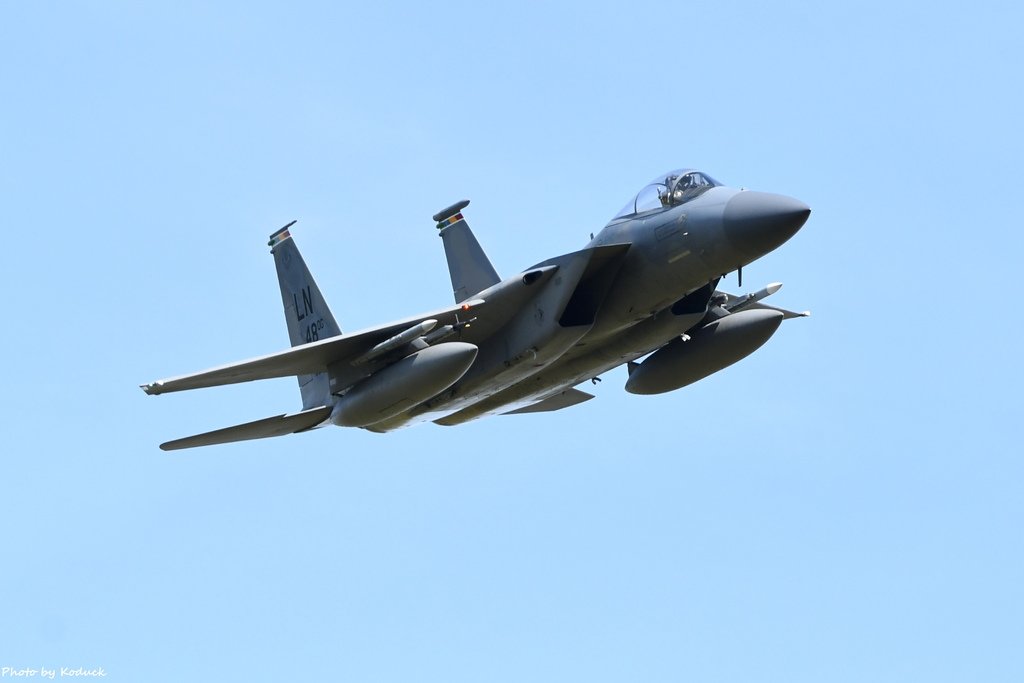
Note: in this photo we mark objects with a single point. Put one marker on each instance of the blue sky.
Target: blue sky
(843, 505)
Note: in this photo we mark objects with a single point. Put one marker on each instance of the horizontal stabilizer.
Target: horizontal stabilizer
(564, 399)
(278, 425)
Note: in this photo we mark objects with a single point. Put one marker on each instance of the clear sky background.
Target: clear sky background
(844, 505)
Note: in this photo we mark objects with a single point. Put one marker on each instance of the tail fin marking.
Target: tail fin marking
(306, 312)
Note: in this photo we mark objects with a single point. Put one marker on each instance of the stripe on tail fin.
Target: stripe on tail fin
(470, 269)
(305, 311)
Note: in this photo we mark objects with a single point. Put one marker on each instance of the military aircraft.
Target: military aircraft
(646, 285)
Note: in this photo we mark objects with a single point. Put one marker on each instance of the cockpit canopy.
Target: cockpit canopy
(668, 190)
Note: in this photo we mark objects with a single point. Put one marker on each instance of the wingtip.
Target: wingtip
(175, 445)
(152, 388)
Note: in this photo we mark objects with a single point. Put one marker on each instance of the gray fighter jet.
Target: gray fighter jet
(646, 285)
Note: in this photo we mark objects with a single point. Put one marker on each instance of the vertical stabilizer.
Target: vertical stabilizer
(305, 311)
(470, 269)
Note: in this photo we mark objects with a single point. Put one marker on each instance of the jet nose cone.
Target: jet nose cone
(757, 222)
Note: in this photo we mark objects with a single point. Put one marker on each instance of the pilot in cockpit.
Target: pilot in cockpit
(665, 195)
(667, 191)
(682, 188)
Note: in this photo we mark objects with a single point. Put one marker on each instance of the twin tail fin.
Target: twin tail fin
(306, 313)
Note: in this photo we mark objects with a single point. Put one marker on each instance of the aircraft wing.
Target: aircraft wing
(306, 359)
(260, 429)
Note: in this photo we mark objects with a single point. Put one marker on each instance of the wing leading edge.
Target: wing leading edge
(302, 360)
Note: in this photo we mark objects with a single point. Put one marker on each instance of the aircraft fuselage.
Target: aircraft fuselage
(671, 254)
(646, 284)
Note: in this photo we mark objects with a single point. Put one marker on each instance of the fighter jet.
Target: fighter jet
(643, 293)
